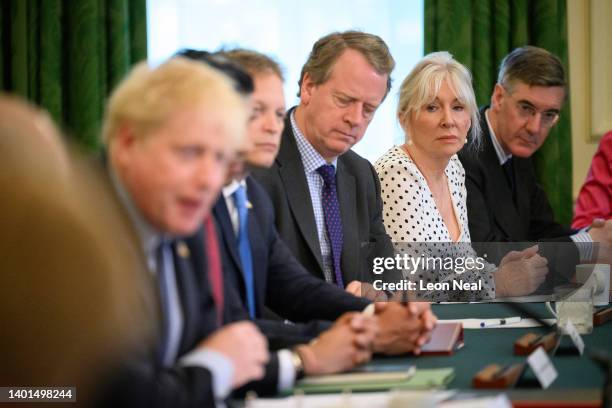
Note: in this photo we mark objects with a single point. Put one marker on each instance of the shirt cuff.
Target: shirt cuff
(286, 370)
(221, 368)
(584, 243)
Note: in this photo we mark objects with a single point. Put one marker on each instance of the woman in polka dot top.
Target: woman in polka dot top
(423, 181)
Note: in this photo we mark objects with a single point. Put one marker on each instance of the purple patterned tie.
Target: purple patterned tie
(333, 223)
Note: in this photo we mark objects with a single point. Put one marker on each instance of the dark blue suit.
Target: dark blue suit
(142, 381)
(281, 282)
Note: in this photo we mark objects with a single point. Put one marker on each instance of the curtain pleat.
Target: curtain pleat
(479, 33)
(66, 56)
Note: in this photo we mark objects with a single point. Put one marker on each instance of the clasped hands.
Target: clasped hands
(394, 329)
(403, 327)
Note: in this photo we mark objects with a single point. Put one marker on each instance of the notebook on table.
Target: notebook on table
(409, 379)
(445, 339)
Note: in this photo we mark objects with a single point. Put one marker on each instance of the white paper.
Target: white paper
(498, 401)
(367, 377)
(475, 323)
(513, 299)
(389, 399)
(542, 367)
(575, 336)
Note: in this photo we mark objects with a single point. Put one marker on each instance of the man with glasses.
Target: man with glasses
(505, 202)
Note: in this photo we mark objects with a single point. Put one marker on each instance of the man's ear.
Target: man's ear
(124, 142)
(306, 89)
(498, 95)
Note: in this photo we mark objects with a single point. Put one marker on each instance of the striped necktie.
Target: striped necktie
(333, 222)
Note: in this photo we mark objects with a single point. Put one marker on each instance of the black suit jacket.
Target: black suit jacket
(199, 289)
(492, 214)
(281, 283)
(360, 207)
(142, 378)
(180, 386)
(141, 381)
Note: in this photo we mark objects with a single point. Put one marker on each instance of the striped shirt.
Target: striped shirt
(312, 160)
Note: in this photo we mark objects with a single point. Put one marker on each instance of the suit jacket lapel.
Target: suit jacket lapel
(230, 242)
(521, 173)
(259, 246)
(129, 240)
(505, 211)
(347, 199)
(228, 236)
(292, 175)
(188, 289)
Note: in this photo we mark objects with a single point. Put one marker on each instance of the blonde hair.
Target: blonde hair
(423, 83)
(147, 97)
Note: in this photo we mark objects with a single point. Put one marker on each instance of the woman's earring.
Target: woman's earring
(409, 142)
(465, 141)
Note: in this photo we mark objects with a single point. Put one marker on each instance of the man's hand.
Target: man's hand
(244, 345)
(365, 290)
(403, 328)
(423, 309)
(520, 273)
(345, 345)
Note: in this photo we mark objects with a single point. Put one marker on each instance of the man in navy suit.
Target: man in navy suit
(273, 277)
(171, 133)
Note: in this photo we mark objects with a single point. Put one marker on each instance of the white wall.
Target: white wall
(590, 74)
(286, 30)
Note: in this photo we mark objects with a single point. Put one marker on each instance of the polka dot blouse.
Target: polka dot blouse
(415, 225)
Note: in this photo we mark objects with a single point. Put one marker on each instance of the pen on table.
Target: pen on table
(500, 322)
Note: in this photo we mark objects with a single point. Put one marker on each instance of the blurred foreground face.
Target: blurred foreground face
(64, 293)
(267, 120)
(41, 147)
(175, 173)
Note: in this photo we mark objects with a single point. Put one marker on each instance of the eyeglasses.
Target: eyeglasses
(527, 111)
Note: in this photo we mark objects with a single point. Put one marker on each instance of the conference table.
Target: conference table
(579, 377)
(578, 384)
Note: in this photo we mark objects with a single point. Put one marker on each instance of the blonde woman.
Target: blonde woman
(423, 183)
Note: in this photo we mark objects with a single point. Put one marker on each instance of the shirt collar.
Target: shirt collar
(231, 188)
(311, 158)
(499, 150)
(150, 237)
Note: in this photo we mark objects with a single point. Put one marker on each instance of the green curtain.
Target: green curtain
(479, 33)
(66, 56)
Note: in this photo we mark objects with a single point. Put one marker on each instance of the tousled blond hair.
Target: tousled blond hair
(147, 97)
(423, 83)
